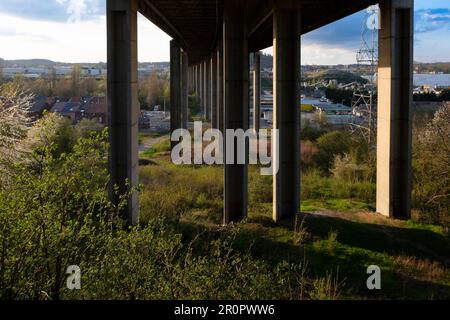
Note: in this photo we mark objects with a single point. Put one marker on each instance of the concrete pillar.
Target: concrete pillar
(184, 90)
(194, 74)
(197, 83)
(286, 109)
(175, 88)
(256, 91)
(208, 88)
(189, 73)
(204, 91)
(123, 104)
(214, 90)
(200, 87)
(395, 79)
(220, 87)
(236, 74)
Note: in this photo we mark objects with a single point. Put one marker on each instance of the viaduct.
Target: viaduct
(209, 54)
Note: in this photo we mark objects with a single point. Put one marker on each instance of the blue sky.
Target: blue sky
(74, 31)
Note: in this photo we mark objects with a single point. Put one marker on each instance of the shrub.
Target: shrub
(431, 162)
(316, 186)
(346, 169)
(259, 187)
(329, 145)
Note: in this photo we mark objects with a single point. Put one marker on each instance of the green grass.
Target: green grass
(342, 205)
(340, 243)
(157, 148)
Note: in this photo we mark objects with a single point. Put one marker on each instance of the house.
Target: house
(97, 108)
(70, 109)
(40, 104)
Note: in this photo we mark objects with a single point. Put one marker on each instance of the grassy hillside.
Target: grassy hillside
(336, 237)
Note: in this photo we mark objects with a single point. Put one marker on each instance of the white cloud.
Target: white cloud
(319, 54)
(81, 41)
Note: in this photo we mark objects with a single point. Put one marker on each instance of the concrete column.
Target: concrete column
(256, 91)
(220, 87)
(197, 83)
(175, 88)
(236, 74)
(214, 90)
(123, 104)
(204, 91)
(200, 87)
(194, 73)
(208, 88)
(189, 73)
(184, 90)
(395, 79)
(286, 109)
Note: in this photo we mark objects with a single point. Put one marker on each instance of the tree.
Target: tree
(86, 127)
(14, 121)
(445, 95)
(51, 131)
(155, 89)
(75, 85)
(331, 144)
(431, 167)
(1, 73)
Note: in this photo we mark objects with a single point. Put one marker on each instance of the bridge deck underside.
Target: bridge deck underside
(197, 24)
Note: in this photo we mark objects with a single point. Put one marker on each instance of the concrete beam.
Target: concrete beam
(175, 88)
(236, 74)
(286, 109)
(395, 80)
(184, 90)
(256, 91)
(123, 105)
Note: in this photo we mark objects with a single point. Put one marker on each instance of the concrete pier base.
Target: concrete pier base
(123, 105)
(395, 79)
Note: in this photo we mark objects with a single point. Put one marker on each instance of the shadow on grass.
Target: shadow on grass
(357, 246)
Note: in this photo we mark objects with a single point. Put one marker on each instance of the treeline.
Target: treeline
(74, 85)
(433, 97)
(154, 90)
(433, 67)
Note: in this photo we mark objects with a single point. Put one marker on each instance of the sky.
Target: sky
(75, 31)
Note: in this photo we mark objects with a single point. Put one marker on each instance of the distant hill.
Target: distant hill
(338, 75)
(27, 63)
(432, 67)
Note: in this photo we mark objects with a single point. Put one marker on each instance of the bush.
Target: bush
(259, 187)
(345, 168)
(329, 145)
(316, 186)
(47, 216)
(431, 162)
(173, 190)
